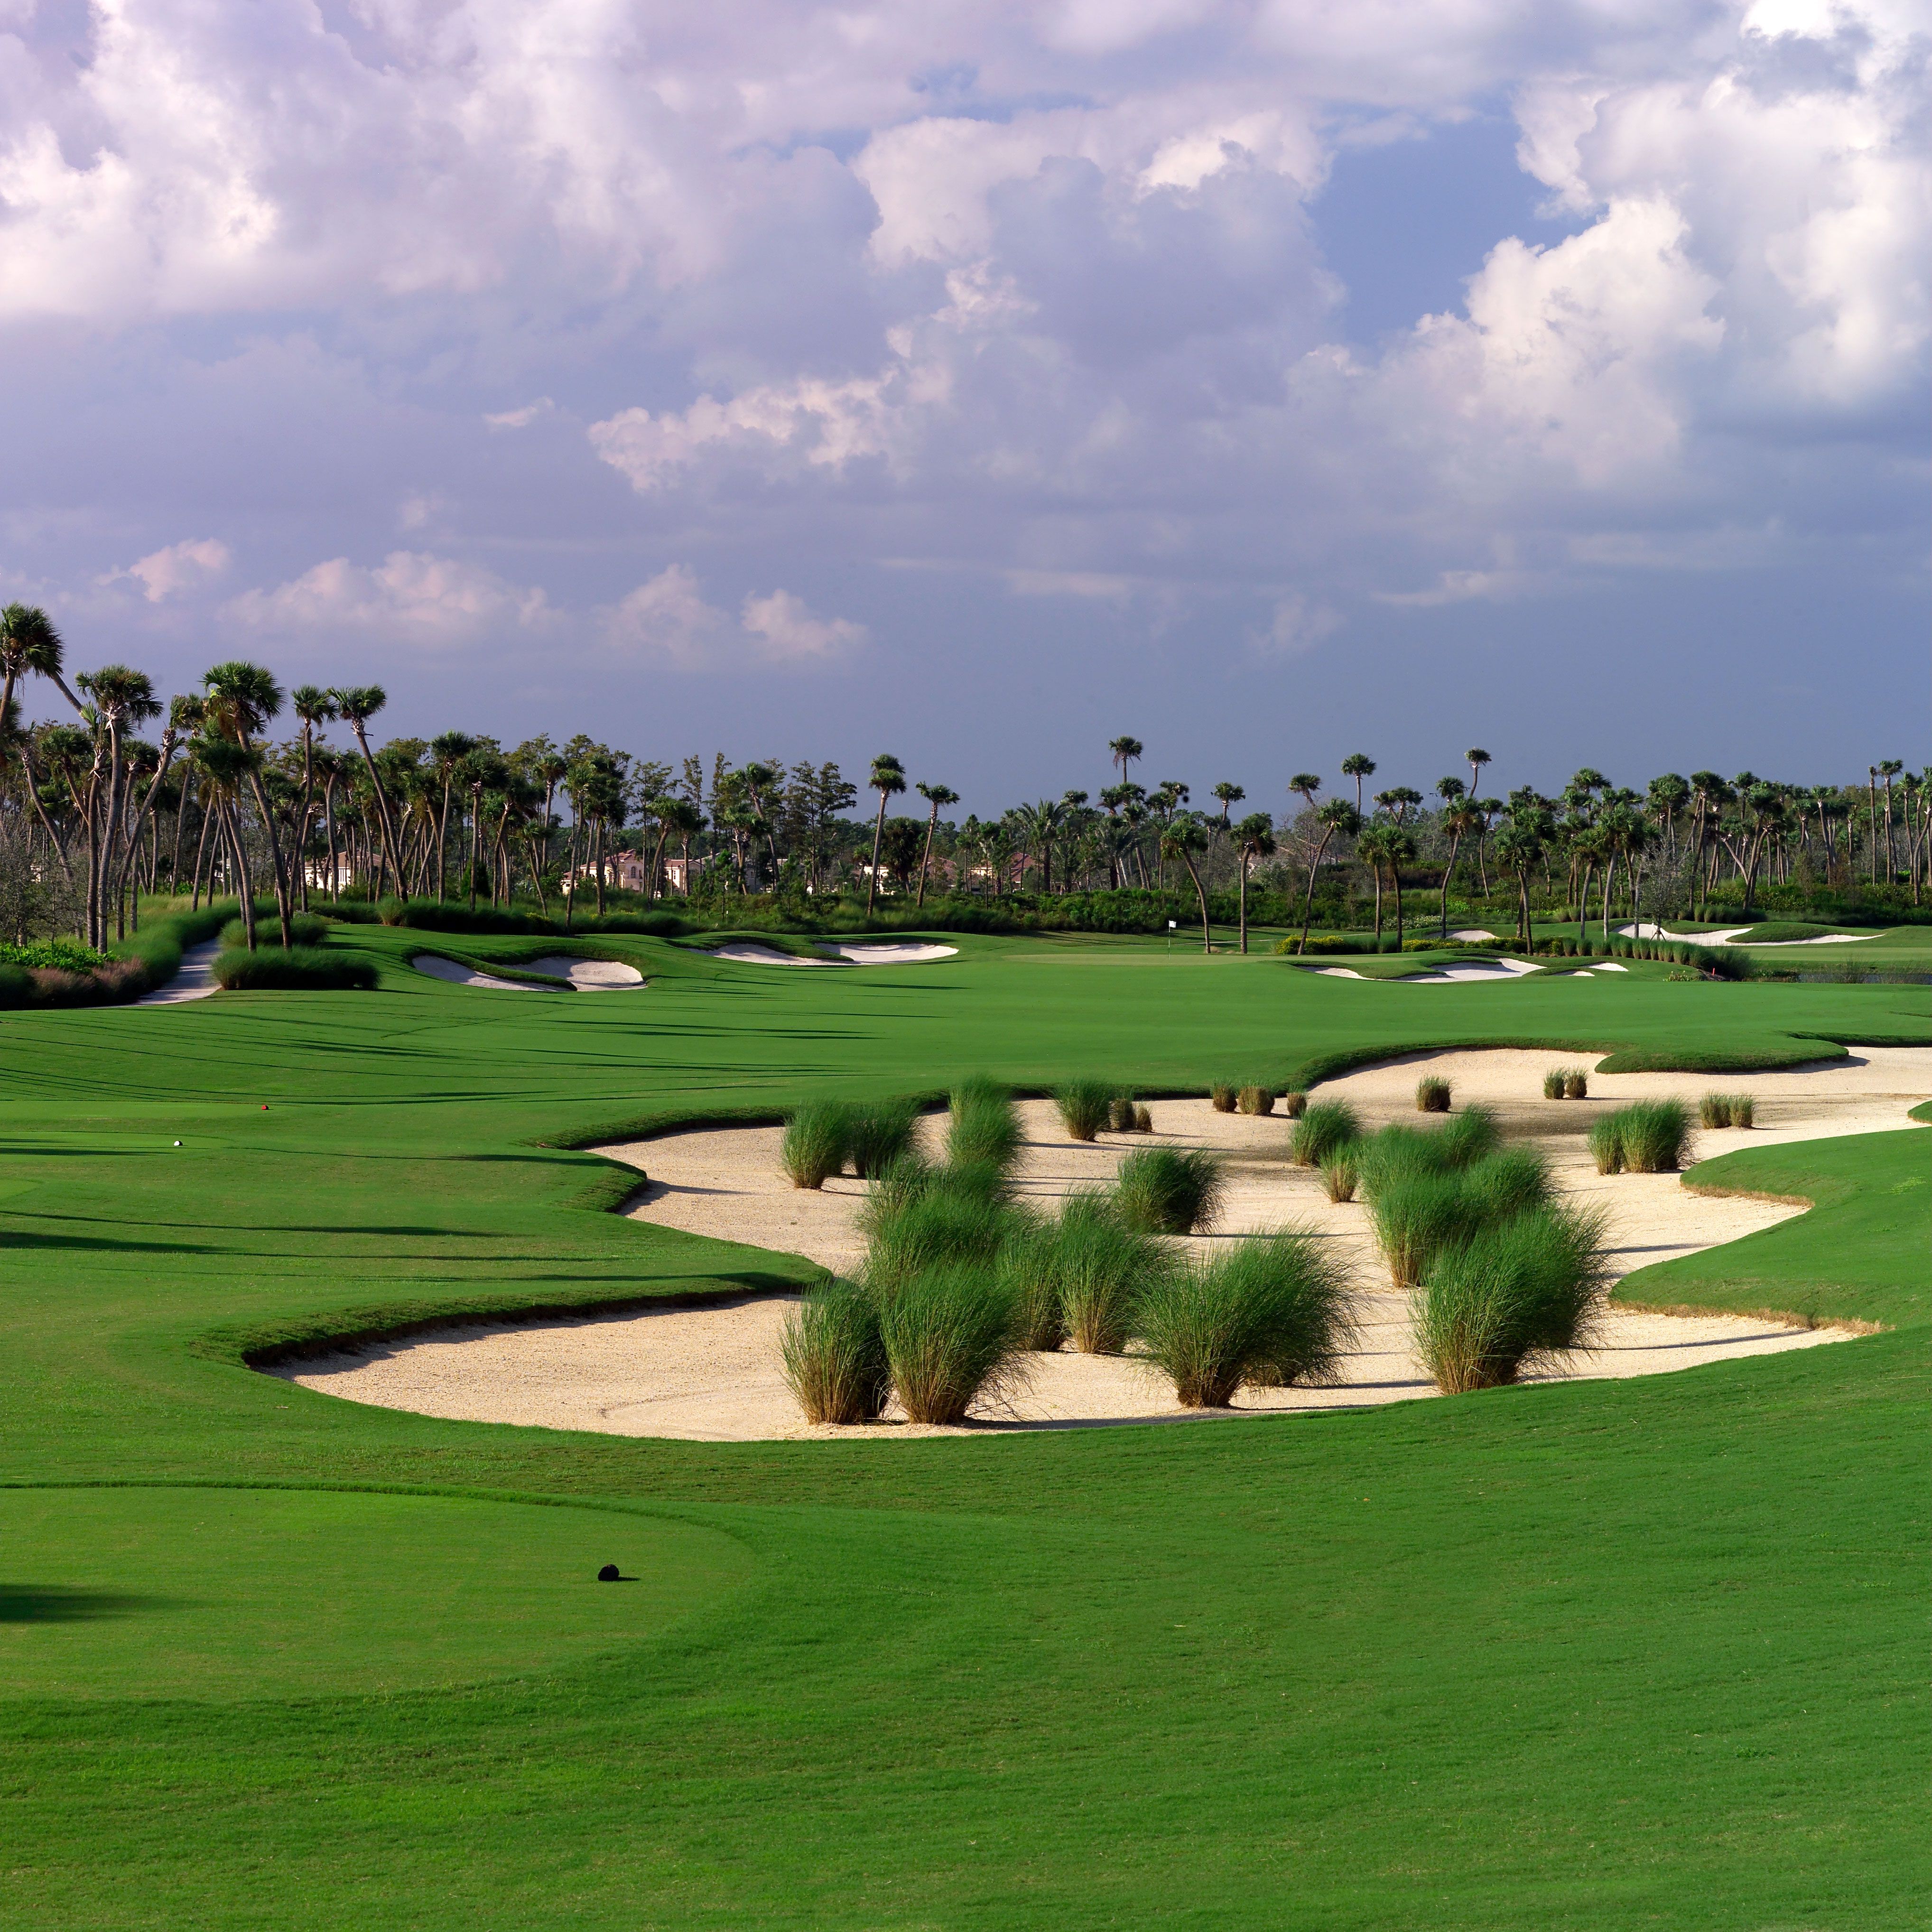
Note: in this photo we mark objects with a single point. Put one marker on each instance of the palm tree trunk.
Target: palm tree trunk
(878, 834)
(926, 857)
(1200, 894)
(1455, 845)
(1244, 902)
(1308, 908)
(1376, 873)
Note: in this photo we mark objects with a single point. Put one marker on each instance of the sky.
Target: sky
(980, 381)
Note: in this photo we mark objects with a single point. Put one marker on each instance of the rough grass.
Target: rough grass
(1530, 1285)
(1646, 1137)
(301, 969)
(1257, 1100)
(1342, 1172)
(878, 1133)
(984, 1128)
(834, 1356)
(950, 1338)
(1271, 1310)
(1169, 1190)
(1085, 1107)
(1101, 1267)
(1324, 1125)
(1431, 1095)
(816, 1139)
(1727, 1110)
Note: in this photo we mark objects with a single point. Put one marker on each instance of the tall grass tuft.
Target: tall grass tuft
(1257, 1100)
(985, 1128)
(1512, 1182)
(1342, 1172)
(1727, 1110)
(1029, 1271)
(950, 1338)
(815, 1141)
(834, 1357)
(878, 1133)
(1324, 1125)
(939, 1227)
(1471, 1136)
(1269, 1311)
(1431, 1095)
(1418, 1215)
(1294, 1105)
(1576, 1084)
(1744, 1111)
(1224, 1099)
(1552, 1084)
(1169, 1190)
(1101, 1266)
(1085, 1107)
(1653, 1135)
(1531, 1286)
(1607, 1143)
(1123, 1117)
(1143, 1120)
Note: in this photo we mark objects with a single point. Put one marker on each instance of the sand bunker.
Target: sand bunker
(1466, 971)
(1732, 936)
(896, 953)
(587, 976)
(711, 1374)
(749, 952)
(439, 968)
(195, 981)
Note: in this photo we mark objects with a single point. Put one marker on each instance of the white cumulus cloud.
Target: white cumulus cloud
(412, 597)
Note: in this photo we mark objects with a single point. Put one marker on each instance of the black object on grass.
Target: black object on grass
(609, 1574)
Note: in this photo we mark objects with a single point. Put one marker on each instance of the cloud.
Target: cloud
(1294, 627)
(181, 566)
(668, 616)
(521, 419)
(411, 598)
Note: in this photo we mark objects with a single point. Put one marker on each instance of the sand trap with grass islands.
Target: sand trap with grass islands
(711, 1373)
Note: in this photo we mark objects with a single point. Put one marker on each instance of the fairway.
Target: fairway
(1584, 1655)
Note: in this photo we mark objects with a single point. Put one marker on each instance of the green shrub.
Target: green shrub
(1143, 1120)
(1511, 1182)
(1553, 1084)
(56, 955)
(1431, 1095)
(1101, 1267)
(1225, 1099)
(835, 1356)
(1030, 1271)
(816, 1140)
(1085, 1107)
(932, 1226)
(1270, 1311)
(1417, 1214)
(984, 1127)
(1342, 1172)
(950, 1338)
(1606, 1143)
(1727, 1110)
(1576, 1084)
(1531, 1286)
(1294, 1105)
(301, 969)
(1471, 1136)
(1324, 1125)
(878, 1133)
(1257, 1100)
(1169, 1190)
(309, 929)
(1122, 1116)
(1652, 1134)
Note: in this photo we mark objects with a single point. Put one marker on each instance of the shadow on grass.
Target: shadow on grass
(57, 1603)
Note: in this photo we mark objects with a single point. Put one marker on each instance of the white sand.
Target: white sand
(588, 976)
(748, 952)
(438, 968)
(711, 1373)
(1470, 933)
(195, 981)
(1491, 969)
(895, 952)
(1730, 936)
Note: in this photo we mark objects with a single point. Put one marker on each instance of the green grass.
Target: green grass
(1584, 1656)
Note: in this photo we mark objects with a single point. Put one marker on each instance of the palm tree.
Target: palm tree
(355, 705)
(312, 705)
(447, 754)
(1125, 752)
(1254, 839)
(29, 644)
(1888, 769)
(1358, 766)
(1185, 838)
(1456, 820)
(1230, 795)
(888, 780)
(1337, 815)
(241, 699)
(226, 763)
(936, 795)
(1475, 759)
(1373, 849)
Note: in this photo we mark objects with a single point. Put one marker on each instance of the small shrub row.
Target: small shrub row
(1727, 1110)
(300, 969)
(823, 1137)
(306, 929)
(1566, 1083)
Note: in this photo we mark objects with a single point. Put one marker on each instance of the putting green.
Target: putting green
(225, 1593)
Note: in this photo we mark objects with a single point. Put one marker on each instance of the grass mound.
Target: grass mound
(301, 969)
(1169, 1190)
(1270, 1311)
(1530, 1286)
(835, 1356)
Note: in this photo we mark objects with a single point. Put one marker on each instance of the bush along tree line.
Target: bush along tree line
(93, 814)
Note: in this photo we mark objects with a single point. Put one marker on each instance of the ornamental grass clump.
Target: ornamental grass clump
(1101, 1266)
(1169, 1190)
(1125, 1116)
(1342, 1172)
(878, 1133)
(1418, 1215)
(1257, 1100)
(1269, 1312)
(1512, 1182)
(815, 1139)
(1225, 1099)
(1576, 1084)
(1727, 1110)
(835, 1356)
(1471, 1136)
(1552, 1084)
(1653, 1135)
(1030, 1272)
(1431, 1095)
(938, 1227)
(950, 1340)
(984, 1129)
(1607, 1143)
(1528, 1287)
(1085, 1107)
(1325, 1125)
(1294, 1105)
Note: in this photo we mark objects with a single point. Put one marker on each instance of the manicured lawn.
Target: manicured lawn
(1594, 1655)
